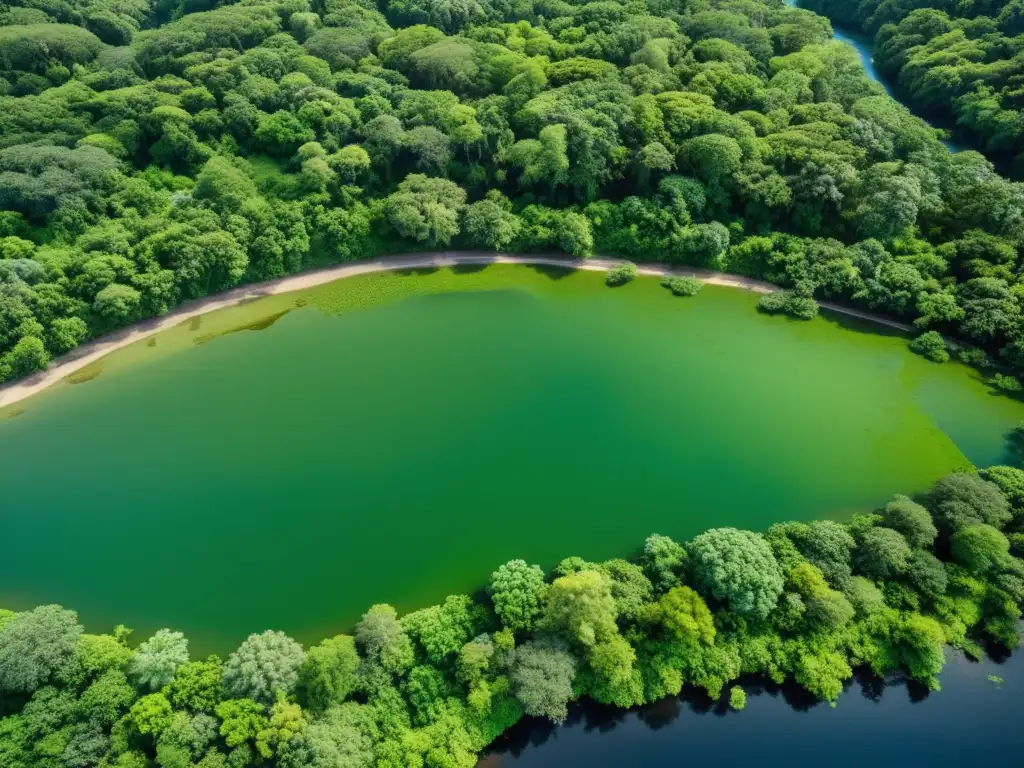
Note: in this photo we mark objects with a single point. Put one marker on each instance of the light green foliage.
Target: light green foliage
(684, 616)
(154, 663)
(580, 607)
(242, 720)
(196, 685)
(739, 568)
(328, 673)
(737, 698)
(426, 209)
(224, 184)
(35, 646)
(930, 345)
(285, 722)
(663, 561)
(517, 591)
(912, 520)
(103, 702)
(382, 640)
(262, 666)
(151, 714)
(979, 548)
(542, 676)
(441, 630)
(621, 274)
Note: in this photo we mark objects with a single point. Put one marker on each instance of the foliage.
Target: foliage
(262, 666)
(683, 286)
(35, 646)
(517, 591)
(155, 661)
(737, 698)
(739, 568)
(142, 164)
(620, 274)
(435, 686)
(930, 345)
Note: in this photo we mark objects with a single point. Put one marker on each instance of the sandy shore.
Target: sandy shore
(93, 350)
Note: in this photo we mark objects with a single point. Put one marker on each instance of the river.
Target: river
(394, 437)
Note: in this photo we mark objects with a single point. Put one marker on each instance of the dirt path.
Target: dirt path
(93, 350)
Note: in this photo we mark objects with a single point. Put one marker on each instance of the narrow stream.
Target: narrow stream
(863, 45)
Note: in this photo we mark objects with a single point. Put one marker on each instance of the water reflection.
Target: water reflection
(907, 724)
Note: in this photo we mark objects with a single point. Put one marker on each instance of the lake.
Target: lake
(394, 437)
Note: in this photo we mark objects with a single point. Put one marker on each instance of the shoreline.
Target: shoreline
(101, 346)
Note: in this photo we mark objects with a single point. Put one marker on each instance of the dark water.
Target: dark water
(972, 721)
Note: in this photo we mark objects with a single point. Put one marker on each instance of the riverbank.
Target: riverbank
(94, 350)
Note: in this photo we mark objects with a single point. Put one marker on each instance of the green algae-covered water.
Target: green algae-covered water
(393, 437)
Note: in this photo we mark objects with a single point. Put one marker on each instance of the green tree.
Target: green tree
(382, 640)
(910, 519)
(37, 645)
(263, 665)
(542, 677)
(328, 673)
(518, 591)
(979, 548)
(153, 665)
(881, 553)
(426, 210)
(739, 568)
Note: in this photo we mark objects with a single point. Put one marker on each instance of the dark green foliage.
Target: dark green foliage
(787, 303)
(930, 345)
(881, 554)
(683, 286)
(620, 274)
(142, 164)
(960, 500)
(912, 520)
(954, 60)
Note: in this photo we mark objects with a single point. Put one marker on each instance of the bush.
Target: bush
(620, 274)
(1005, 383)
(930, 345)
(683, 286)
(786, 303)
(737, 698)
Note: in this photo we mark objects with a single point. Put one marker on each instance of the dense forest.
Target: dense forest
(151, 153)
(962, 62)
(805, 602)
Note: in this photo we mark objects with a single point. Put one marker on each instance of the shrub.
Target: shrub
(1005, 383)
(930, 345)
(620, 274)
(787, 303)
(737, 698)
(683, 286)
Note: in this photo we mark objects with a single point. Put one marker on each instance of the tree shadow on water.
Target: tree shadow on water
(470, 269)
(415, 271)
